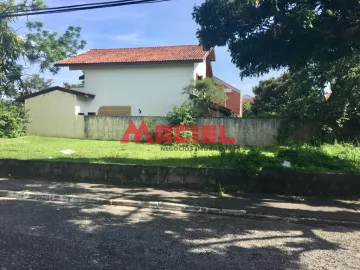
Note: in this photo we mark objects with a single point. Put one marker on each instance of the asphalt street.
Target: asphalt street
(42, 235)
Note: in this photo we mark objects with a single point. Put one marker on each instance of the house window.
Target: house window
(199, 77)
(115, 111)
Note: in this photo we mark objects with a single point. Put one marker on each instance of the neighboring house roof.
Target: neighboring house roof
(247, 99)
(221, 82)
(185, 53)
(51, 89)
(217, 107)
(222, 109)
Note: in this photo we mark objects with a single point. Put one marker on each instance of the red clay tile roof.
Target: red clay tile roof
(139, 55)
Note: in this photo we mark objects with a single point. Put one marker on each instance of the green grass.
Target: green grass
(326, 158)
(43, 148)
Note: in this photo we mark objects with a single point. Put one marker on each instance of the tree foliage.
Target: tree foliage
(74, 85)
(205, 92)
(300, 98)
(318, 41)
(182, 115)
(13, 119)
(267, 34)
(36, 83)
(272, 95)
(38, 46)
(291, 95)
(247, 110)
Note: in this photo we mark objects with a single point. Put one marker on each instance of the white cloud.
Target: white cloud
(105, 15)
(129, 38)
(92, 16)
(133, 37)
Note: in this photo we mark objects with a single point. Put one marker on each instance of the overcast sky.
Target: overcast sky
(167, 23)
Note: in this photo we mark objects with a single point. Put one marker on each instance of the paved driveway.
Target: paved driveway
(40, 235)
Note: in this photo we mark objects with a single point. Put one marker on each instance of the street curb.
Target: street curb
(131, 203)
(303, 220)
(174, 207)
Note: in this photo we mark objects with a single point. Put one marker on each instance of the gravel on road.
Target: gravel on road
(46, 235)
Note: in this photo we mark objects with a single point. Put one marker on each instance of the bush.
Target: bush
(247, 111)
(182, 115)
(250, 160)
(336, 157)
(13, 119)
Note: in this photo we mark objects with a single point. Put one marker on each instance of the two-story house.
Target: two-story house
(122, 82)
(138, 81)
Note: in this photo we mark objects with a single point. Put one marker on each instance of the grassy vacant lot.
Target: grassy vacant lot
(331, 158)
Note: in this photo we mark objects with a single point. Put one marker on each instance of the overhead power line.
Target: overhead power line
(76, 8)
(18, 8)
(73, 8)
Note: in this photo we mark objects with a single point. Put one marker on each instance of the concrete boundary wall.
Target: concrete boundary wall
(246, 131)
(278, 182)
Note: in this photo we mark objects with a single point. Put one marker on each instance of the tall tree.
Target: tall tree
(272, 34)
(38, 46)
(290, 95)
(318, 41)
(272, 95)
(36, 83)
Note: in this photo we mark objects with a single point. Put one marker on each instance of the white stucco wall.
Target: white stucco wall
(82, 104)
(153, 89)
(200, 69)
